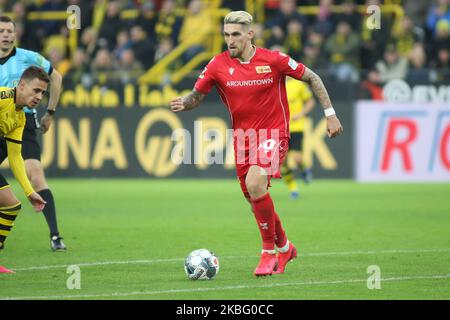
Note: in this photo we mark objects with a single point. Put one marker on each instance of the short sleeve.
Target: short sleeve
(37, 59)
(288, 66)
(205, 80)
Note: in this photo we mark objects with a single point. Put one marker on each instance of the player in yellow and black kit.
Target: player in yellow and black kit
(301, 102)
(29, 92)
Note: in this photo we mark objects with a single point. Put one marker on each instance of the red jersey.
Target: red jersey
(254, 92)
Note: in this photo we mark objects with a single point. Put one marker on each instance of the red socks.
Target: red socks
(280, 235)
(268, 222)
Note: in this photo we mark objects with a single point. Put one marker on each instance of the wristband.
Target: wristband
(329, 112)
(51, 112)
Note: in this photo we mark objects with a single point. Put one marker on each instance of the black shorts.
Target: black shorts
(30, 145)
(296, 142)
(3, 155)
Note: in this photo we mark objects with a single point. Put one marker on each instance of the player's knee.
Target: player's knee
(38, 182)
(37, 178)
(255, 188)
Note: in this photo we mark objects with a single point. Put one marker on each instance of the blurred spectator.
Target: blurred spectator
(276, 37)
(142, 46)
(325, 19)
(233, 5)
(89, 42)
(293, 43)
(58, 60)
(102, 66)
(350, 15)
(147, 18)
(129, 69)
(406, 36)
(442, 38)
(258, 39)
(102, 61)
(343, 49)
(111, 24)
(437, 12)
(271, 8)
(416, 10)
(418, 72)
(5, 6)
(50, 27)
(58, 41)
(165, 46)
(79, 67)
(25, 32)
(123, 43)
(391, 67)
(441, 72)
(168, 22)
(279, 23)
(314, 55)
(197, 25)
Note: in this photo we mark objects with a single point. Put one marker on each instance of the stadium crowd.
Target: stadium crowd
(414, 46)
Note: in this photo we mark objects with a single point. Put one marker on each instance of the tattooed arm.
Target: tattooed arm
(317, 87)
(334, 126)
(188, 102)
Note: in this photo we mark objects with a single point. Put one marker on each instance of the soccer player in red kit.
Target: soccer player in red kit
(251, 83)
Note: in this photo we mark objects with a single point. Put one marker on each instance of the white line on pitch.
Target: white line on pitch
(272, 285)
(150, 261)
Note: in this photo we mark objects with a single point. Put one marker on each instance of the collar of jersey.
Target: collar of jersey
(4, 59)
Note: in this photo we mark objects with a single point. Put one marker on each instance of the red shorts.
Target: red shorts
(269, 155)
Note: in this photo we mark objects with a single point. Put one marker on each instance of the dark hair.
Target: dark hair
(35, 72)
(7, 19)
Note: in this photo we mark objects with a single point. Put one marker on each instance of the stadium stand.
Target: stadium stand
(153, 41)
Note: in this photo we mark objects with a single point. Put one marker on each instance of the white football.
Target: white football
(201, 264)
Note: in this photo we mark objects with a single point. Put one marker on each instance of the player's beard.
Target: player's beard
(235, 53)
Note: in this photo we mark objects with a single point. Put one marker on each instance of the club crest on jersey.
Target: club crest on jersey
(231, 70)
(263, 69)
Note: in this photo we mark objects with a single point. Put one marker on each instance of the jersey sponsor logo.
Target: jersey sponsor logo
(231, 70)
(249, 83)
(263, 69)
(293, 64)
(8, 94)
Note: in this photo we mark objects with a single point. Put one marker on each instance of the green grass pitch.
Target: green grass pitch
(129, 238)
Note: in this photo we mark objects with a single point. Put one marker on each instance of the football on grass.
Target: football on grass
(201, 264)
